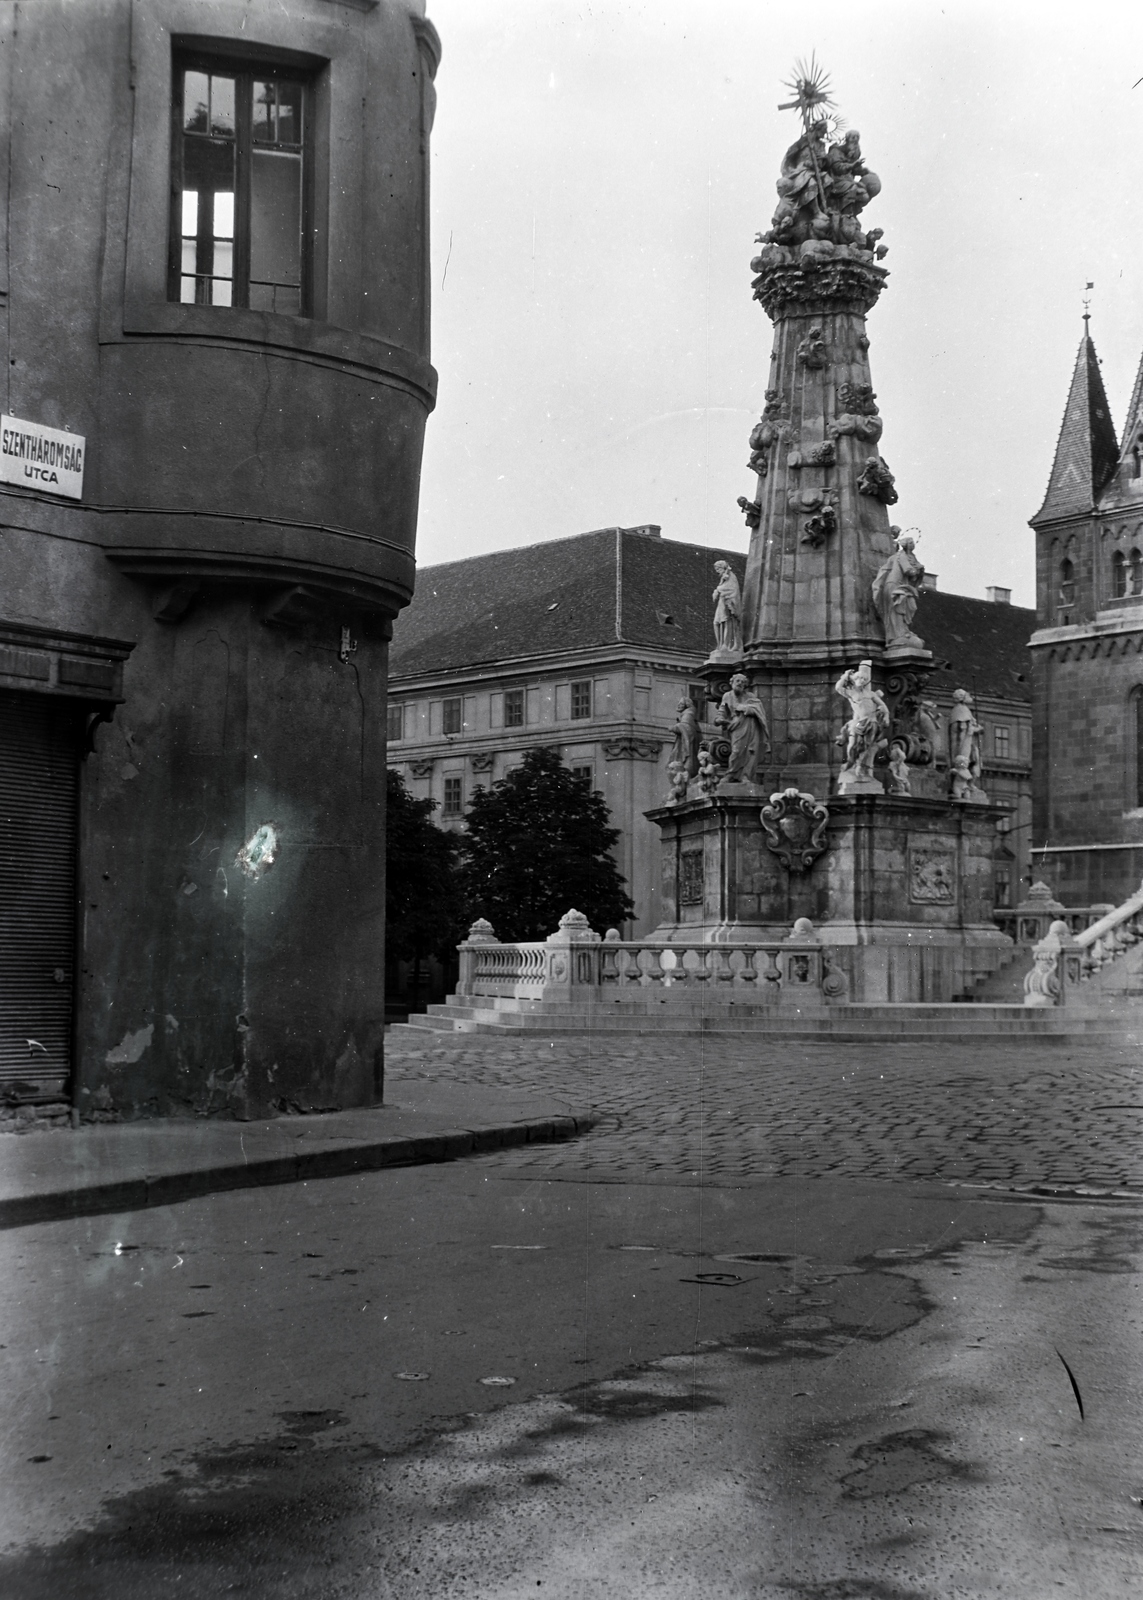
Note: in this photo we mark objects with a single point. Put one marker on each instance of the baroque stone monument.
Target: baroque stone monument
(817, 672)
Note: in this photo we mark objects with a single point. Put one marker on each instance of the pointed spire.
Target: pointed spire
(1131, 460)
(1086, 451)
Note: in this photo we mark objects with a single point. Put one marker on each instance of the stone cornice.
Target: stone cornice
(591, 659)
(1099, 629)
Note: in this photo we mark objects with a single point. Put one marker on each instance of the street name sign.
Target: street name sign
(41, 458)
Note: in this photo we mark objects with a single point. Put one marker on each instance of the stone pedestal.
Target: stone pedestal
(903, 888)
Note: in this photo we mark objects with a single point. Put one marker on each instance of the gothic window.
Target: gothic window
(239, 186)
(1067, 582)
(1118, 574)
(1135, 564)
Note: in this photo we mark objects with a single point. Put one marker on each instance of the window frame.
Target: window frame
(244, 69)
(585, 769)
(453, 781)
(395, 711)
(1002, 741)
(519, 699)
(447, 706)
(581, 684)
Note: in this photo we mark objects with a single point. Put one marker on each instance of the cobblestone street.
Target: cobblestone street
(1009, 1116)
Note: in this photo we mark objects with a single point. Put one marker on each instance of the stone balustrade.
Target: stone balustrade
(1063, 961)
(575, 964)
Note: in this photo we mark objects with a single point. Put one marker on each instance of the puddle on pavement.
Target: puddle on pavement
(898, 1461)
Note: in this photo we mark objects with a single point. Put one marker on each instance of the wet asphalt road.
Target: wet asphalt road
(283, 1392)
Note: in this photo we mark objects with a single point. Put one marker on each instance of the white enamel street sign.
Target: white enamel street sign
(41, 458)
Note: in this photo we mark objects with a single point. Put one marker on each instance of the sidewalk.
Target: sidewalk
(61, 1173)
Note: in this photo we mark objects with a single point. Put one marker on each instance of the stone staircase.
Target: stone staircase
(702, 1015)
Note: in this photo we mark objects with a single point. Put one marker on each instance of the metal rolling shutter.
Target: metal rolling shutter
(39, 790)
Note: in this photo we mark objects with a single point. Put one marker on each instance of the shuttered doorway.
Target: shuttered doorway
(39, 793)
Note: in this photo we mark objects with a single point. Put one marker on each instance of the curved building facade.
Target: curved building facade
(216, 382)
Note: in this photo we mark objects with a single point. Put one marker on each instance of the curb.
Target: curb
(139, 1194)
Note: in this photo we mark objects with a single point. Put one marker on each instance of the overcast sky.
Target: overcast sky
(600, 170)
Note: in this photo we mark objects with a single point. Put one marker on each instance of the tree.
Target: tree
(538, 843)
(424, 894)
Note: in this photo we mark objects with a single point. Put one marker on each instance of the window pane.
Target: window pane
(275, 232)
(514, 708)
(221, 105)
(196, 102)
(208, 164)
(263, 112)
(396, 722)
(451, 716)
(190, 214)
(223, 215)
(289, 113)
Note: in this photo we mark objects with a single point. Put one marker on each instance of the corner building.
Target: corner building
(215, 287)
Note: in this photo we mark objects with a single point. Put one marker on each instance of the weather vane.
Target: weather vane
(1087, 300)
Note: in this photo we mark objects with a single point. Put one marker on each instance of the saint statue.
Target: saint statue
(727, 599)
(867, 726)
(685, 752)
(965, 764)
(740, 713)
(895, 592)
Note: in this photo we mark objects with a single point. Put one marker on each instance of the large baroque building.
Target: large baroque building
(1087, 648)
(588, 644)
(214, 280)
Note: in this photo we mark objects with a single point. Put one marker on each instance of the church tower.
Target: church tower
(1087, 671)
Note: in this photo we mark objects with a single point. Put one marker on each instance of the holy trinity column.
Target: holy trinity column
(829, 583)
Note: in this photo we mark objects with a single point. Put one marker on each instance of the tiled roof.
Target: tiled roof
(567, 595)
(986, 644)
(1086, 451)
(581, 593)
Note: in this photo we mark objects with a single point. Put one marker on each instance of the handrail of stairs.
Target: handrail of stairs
(1062, 961)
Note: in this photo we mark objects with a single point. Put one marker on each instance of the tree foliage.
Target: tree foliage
(424, 894)
(538, 843)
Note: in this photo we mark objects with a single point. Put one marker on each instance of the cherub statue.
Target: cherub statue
(707, 771)
(898, 770)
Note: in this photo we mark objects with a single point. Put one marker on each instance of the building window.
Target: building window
(1118, 575)
(697, 695)
(1137, 709)
(1068, 582)
(396, 723)
(239, 186)
(1003, 889)
(581, 699)
(452, 718)
(586, 773)
(453, 797)
(1135, 565)
(1001, 742)
(513, 708)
